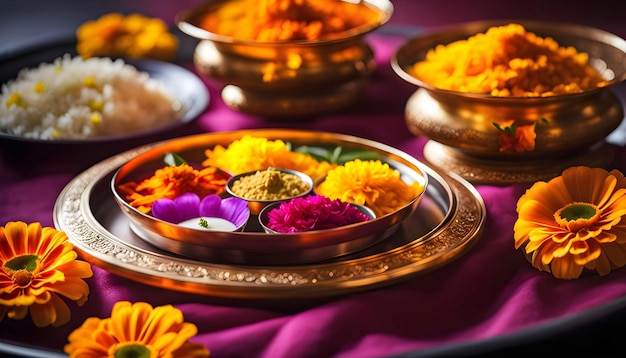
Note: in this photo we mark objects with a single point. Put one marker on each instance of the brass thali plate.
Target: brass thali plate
(447, 223)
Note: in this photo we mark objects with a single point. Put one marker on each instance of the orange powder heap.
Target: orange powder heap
(285, 20)
(508, 61)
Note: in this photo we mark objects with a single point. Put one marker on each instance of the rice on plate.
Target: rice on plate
(74, 98)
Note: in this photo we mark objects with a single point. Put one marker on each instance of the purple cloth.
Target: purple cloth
(487, 292)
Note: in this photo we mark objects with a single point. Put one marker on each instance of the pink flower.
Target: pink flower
(314, 212)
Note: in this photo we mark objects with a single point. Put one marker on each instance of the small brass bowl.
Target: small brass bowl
(460, 126)
(330, 74)
(264, 216)
(256, 205)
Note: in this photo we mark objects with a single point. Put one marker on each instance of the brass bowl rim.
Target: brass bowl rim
(430, 37)
(184, 23)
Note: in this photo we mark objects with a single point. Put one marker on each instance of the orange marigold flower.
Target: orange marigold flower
(133, 35)
(38, 265)
(516, 138)
(136, 330)
(371, 183)
(170, 182)
(251, 153)
(574, 221)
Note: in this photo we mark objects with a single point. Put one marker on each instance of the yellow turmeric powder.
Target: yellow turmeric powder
(508, 61)
(286, 20)
(269, 184)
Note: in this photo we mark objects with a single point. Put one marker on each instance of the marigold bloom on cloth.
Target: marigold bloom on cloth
(574, 222)
(172, 181)
(134, 35)
(371, 183)
(314, 212)
(136, 330)
(38, 266)
(252, 153)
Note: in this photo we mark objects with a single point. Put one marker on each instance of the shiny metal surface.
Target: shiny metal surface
(462, 123)
(253, 246)
(447, 224)
(332, 75)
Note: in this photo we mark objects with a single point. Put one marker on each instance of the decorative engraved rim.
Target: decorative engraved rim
(460, 229)
(501, 172)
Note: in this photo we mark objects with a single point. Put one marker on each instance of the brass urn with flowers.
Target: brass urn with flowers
(504, 102)
(289, 59)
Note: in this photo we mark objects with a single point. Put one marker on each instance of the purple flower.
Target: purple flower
(189, 206)
(315, 212)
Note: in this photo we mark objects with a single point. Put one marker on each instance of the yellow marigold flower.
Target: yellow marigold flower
(38, 265)
(136, 330)
(371, 183)
(133, 35)
(170, 182)
(251, 153)
(573, 222)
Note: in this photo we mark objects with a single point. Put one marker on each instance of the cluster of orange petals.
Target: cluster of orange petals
(287, 20)
(172, 181)
(508, 61)
(134, 35)
(517, 138)
(573, 222)
(136, 330)
(38, 266)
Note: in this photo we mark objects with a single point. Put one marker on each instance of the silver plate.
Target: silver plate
(186, 85)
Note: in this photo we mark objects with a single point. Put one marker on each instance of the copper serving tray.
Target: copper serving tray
(448, 221)
(253, 246)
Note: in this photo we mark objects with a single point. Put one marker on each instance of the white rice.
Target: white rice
(79, 99)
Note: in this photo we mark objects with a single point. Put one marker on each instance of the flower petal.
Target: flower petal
(566, 268)
(566, 246)
(210, 206)
(184, 207)
(235, 210)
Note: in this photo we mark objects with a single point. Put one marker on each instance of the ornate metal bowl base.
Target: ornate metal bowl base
(289, 105)
(288, 79)
(569, 129)
(480, 170)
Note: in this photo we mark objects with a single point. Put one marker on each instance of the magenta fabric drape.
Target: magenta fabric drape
(488, 292)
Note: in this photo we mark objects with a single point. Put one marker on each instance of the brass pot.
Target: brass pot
(460, 127)
(288, 79)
